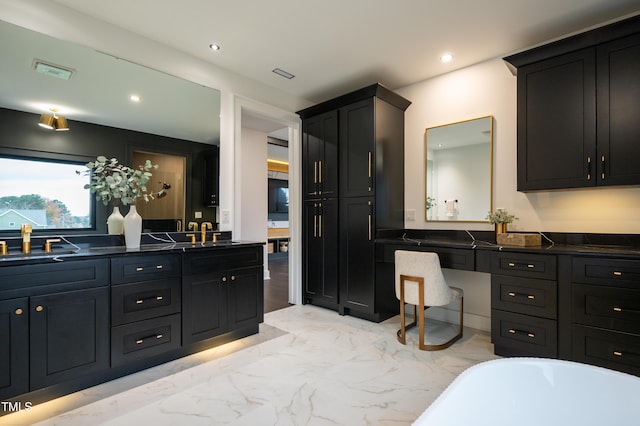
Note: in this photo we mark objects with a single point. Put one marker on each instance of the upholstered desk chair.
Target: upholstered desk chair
(419, 282)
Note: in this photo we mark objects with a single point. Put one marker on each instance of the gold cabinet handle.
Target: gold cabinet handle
(369, 168)
(320, 222)
(511, 264)
(617, 273)
(233, 277)
(514, 294)
(370, 220)
(530, 265)
(39, 308)
(159, 266)
(617, 353)
(142, 339)
(138, 269)
(315, 172)
(18, 311)
(141, 301)
(588, 168)
(320, 171)
(528, 333)
(224, 279)
(603, 166)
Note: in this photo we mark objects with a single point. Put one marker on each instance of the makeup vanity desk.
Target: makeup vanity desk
(577, 297)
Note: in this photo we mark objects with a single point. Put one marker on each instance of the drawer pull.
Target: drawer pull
(617, 273)
(224, 279)
(512, 265)
(233, 277)
(158, 266)
(530, 265)
(529, 334)
(39, 308)
(141, 301)
(18, 311)
(616, 353)
(140, 341)
(138, 269)
(514, 294)
(617, 309)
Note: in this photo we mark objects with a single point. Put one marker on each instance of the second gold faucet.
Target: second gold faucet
(203, 233)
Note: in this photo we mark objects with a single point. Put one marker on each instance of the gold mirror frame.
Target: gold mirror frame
(465, 159)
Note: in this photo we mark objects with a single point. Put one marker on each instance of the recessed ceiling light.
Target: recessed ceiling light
(214, 46)
(447, 57)
(135, 98)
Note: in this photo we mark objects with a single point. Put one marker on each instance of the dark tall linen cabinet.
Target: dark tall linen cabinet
(353, 186)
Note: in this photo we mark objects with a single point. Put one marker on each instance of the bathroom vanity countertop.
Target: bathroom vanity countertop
(572, 244)
(65, 251)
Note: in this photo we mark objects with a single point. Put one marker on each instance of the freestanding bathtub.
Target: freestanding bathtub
(536, 391)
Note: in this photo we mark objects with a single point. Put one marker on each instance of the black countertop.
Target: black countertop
(615, 245)
(83, 246)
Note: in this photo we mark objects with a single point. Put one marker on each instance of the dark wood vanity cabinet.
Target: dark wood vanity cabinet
(605, 317)
(524, 307)
(221, 291)
(368, 173)
(145, 306)
(55, 320)
(578, 103)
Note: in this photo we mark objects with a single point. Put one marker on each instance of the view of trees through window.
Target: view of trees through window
(43, 193)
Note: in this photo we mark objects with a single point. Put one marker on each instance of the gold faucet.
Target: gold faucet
(193, 238)
(25, 232)
(203, 232)
(3, 247)
(215, 237)
(47, 244)
(193, 226)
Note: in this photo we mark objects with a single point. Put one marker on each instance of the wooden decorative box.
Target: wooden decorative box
(520, 240)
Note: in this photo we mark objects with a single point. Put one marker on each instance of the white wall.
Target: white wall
(252, 188)
(490, 89)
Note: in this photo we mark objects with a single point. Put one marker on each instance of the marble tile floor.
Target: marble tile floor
(307, 366)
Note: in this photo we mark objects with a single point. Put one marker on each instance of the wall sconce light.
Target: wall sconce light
(53, 121)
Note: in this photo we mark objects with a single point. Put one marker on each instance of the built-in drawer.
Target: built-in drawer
(522, 335)
(609, 272)
(453, 258)
(144, 300)
(528, 296)
(133, 268)
(614, 308)
(144, 339)
(28, 280)
(198, 262)
(540, 266)
(616, 350)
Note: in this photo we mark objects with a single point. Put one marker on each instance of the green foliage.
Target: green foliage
(23, 202)
(112, 182)
(500, 216)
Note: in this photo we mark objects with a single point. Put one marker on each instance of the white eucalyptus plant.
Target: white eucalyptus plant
(114, 183)
(500, 216)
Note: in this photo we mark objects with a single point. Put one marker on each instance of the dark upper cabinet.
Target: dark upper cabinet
(357, 148)
(578, 103)
(320, 156)
(556, 122)
(618, 71)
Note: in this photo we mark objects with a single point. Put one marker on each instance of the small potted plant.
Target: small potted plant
(431, 202)
(500, 218)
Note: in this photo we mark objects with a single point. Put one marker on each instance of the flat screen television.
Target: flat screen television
(278, 196)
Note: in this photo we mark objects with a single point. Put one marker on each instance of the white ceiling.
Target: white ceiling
(331, 46)
(335, 46)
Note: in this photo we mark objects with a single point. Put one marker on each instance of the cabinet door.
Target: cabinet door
(320, 156)
(14, 347)
(357, 261)
(357, 145)
(556, 122)
(204, 306)
(246, 297)
(320, 252)
(618, 112)
(69, 335)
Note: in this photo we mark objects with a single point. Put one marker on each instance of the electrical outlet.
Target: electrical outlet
(226, 217)
(411, 215)
(197, 215)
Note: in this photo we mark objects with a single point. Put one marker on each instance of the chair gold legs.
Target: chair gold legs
(402, 333)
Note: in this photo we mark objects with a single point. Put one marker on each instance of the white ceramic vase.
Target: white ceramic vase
(132, 229)
(115, 222)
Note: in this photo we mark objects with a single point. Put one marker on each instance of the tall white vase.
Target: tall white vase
(115, 222)
(132, 228)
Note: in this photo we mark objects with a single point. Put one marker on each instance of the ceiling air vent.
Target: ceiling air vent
(52, 70)
(283, 73)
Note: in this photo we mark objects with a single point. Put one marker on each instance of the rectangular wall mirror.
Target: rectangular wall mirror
(458, 171)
